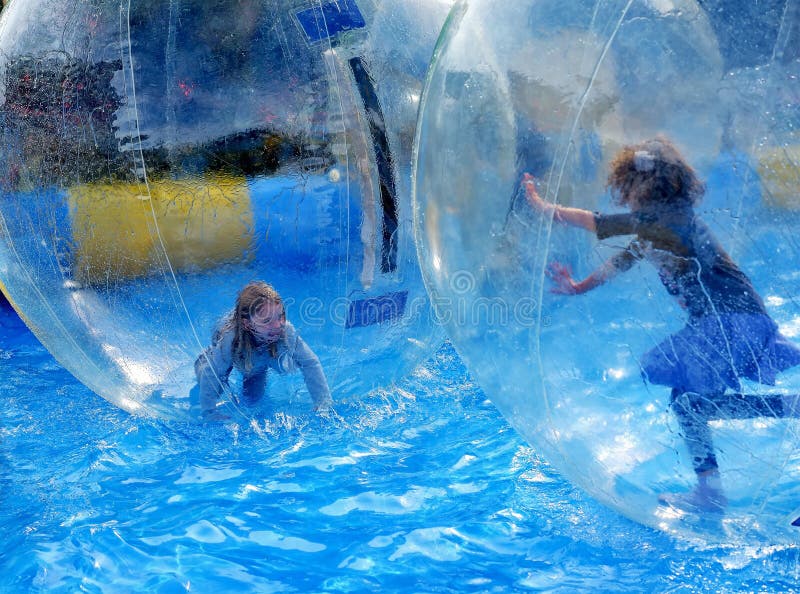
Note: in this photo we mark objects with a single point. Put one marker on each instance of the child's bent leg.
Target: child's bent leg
(693, 412)
(707, 495)
(746, 406)
(253, 388)
(791, 406)
(689, 409)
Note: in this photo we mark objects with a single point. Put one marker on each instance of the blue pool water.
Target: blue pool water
(419, 488)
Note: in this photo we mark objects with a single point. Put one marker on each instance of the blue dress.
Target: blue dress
(729, 334)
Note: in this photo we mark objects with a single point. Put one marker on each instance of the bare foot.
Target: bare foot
(699, 499)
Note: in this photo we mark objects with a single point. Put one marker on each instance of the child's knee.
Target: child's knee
(682, 403)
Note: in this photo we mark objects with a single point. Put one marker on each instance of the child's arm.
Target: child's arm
(566, 285)
(317, 385)
(304, 358)
(577, 217)
(212, 369)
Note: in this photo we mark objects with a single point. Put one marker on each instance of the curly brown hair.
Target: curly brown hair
(653, 173)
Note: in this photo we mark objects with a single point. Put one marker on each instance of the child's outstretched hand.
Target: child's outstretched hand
(529, 184)
(562, 278)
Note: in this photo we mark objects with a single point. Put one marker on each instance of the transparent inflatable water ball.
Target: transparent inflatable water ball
(158, 156)
(664, 384)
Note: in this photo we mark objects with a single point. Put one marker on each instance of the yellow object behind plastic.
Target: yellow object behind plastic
(779, 169)
(123, 231)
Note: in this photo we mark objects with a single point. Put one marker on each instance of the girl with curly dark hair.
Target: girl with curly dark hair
(728, 335)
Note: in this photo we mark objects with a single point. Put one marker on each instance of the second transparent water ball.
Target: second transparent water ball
(556, 91)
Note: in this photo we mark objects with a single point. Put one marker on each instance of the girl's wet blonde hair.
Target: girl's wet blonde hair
(249, 300)
(654, 173)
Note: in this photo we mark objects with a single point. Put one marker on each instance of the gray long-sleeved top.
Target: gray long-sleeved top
(214, 366)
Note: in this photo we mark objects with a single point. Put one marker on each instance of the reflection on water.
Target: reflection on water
(421, 487)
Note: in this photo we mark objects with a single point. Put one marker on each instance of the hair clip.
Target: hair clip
(644, 161)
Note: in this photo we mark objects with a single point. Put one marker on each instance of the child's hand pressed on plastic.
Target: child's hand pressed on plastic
(528, 182)
(562, 278)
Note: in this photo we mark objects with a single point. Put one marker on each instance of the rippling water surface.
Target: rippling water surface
(420, 488)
